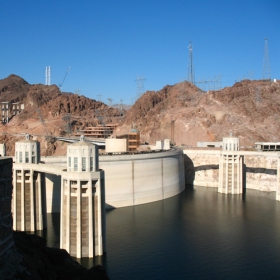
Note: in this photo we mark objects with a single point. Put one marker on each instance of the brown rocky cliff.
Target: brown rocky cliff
(13, 89)
(249, 110)
(48, 112)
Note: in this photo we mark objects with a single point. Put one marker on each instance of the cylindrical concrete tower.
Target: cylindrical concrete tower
(27, 197)
(82, 222)
(27, 151)
(231, 144)
(82, 157)
(230, 167)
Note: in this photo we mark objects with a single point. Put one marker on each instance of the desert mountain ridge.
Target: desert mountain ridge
(249, 110)
(48, 112)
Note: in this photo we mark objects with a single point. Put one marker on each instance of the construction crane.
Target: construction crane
(60, 85)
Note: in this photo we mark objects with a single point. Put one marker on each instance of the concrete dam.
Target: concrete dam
(83, 184)
(75, 186)
(129, 179)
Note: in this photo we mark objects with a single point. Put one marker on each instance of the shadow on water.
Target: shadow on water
(52, 235)
(52, 232)
(90, 262)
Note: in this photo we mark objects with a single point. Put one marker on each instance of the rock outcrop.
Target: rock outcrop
(30, 259)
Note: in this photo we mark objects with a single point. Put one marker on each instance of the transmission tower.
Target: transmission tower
(98, 115)
(266, 64)
(78, 91)
(48, 76)
(140, 86)
(121, 107)
(99, 97)
(110, 100)
(217, 82)
(68, 125)
(191, 67)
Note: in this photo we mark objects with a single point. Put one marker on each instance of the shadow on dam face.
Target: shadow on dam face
(189, 172)
(53, 192)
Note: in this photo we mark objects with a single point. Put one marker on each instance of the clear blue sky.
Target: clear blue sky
(109, 44)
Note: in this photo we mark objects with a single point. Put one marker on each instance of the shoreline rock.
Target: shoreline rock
(31, 259)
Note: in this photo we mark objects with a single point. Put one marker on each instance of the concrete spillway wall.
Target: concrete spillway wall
(142, 178)
(129, 179)
(202, 168)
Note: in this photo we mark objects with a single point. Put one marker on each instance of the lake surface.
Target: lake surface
(198, 234)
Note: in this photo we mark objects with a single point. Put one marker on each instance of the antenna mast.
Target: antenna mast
(191, 67)
(266, 64)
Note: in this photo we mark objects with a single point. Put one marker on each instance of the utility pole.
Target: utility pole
(191, 78)
(266, 64)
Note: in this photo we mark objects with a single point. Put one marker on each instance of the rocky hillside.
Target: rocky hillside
(249, 110)
(48, 112)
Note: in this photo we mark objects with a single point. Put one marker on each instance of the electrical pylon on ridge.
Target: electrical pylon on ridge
(266, 63)
(191, 78)
(140, 86)
(110, 100)
(48, 76)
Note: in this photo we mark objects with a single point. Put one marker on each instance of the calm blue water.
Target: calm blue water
(199, 234)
